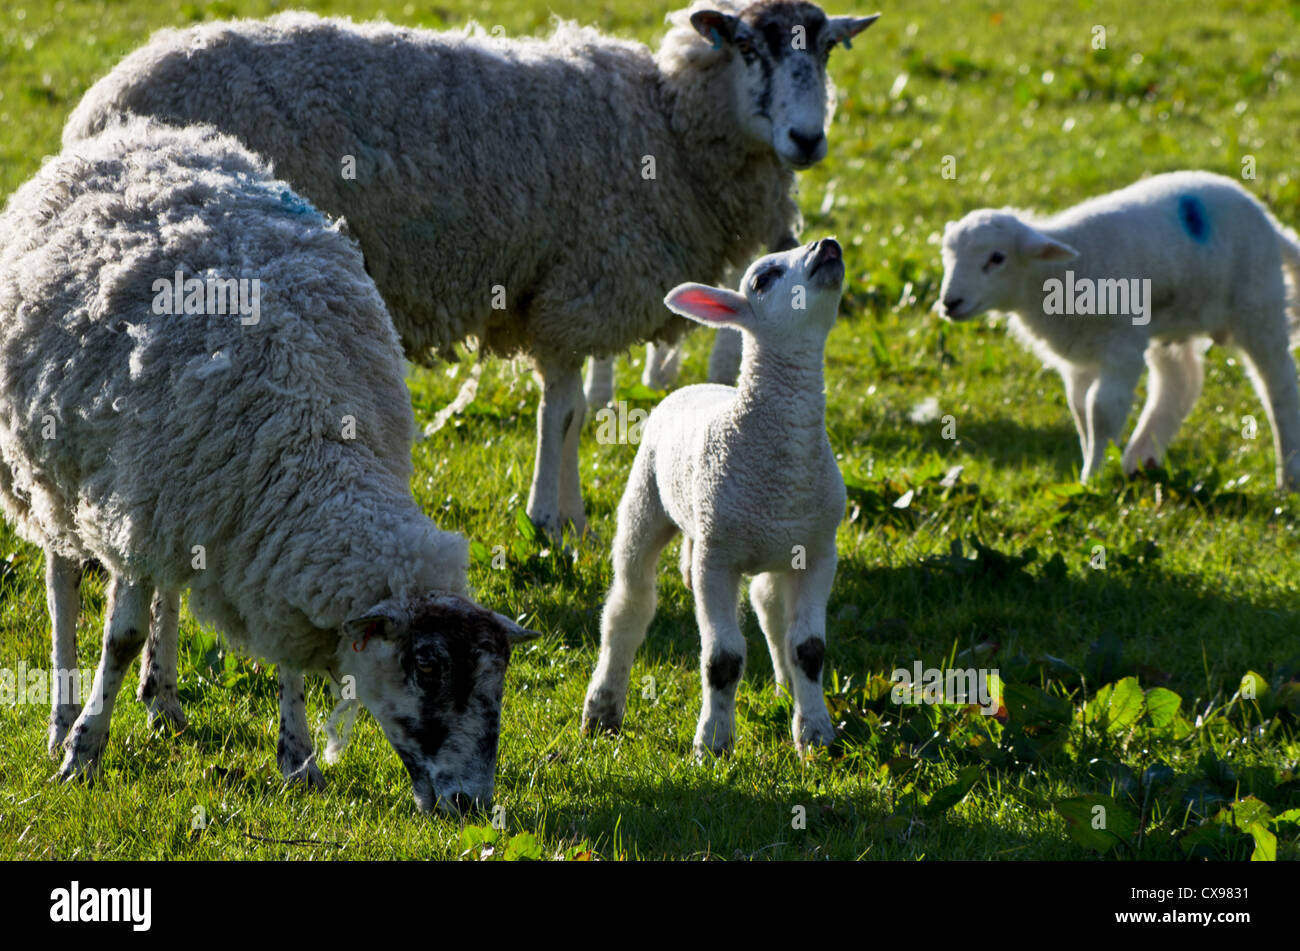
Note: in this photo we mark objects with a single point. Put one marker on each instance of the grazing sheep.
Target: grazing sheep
(1139, 273)
(535, 194)
(200, 388)
(747, 475)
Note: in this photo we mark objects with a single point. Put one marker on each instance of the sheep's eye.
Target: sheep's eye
(424, 670)
(745, 47)
(996, 258)
(763, 280)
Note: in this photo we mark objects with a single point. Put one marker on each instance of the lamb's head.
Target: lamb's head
(777, 52)
(788, 300)
(988, 262)
(432, 670)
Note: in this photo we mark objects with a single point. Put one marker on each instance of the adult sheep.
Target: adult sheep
(200, 387)
(535, 194)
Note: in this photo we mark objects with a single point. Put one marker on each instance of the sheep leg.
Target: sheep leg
(293, 751)
(158, 664)
(1077, 381)
(556, 494)
(63, 599)
(724, 358)
(1109, 399)
(768, 596)
(722, 651)
(1273, 373)
(1173, 387)
(599, 388)
(806, 650)
(662, 363)
(644, 528)
(125, 627)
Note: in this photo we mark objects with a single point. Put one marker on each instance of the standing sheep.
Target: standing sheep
(535, 194)
(1139, 273)
(200, 387)
(747, 475)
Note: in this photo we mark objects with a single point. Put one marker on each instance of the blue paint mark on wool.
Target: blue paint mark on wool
(296, 204)
(1195, 220)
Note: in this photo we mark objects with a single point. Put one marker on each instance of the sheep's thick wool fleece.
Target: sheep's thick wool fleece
(177, 431)
(485, 162)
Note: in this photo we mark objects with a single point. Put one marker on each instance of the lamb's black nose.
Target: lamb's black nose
(952, 303)
(808, 144)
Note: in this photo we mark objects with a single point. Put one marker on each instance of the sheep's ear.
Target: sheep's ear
(712, 306)
(515, 632)
(715, 26)
(1038, 246)
(375, 624)
(843, 29)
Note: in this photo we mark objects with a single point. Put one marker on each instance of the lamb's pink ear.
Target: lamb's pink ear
(708, 305)
(1035, 244)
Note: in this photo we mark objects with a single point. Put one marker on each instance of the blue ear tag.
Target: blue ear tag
(717, 38)
(847, 44)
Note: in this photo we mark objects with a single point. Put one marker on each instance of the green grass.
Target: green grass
(1201, 577)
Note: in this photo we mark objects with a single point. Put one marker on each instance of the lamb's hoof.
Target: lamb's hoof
(166, 715)
(813, 731)
(601, 713)
(61, 720)
(713, 740)
(308, 775)
(82, 760)
(707, 751)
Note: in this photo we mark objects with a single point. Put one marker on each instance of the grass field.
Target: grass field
(1122, 683)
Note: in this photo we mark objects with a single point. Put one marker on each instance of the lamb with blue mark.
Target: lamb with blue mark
(1219, 266)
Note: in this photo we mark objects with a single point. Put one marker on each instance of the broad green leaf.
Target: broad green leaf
(1265, 844)
(1253, 686)
(1162, 707)
(947, 797)
(1116, 707)
(1097, 822)
(523, 847)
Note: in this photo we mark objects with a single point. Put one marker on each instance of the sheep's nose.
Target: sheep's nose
(808, 144)
(952, 303)
(465, 804)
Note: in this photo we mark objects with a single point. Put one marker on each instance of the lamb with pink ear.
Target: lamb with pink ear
(746, 474)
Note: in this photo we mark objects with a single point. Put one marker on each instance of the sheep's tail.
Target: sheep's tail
(1289, 245)
(465, 396)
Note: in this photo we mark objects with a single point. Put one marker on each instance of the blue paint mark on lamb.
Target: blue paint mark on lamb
(1191, 211)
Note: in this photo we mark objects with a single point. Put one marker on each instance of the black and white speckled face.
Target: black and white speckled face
(780, 49)
(432, 670)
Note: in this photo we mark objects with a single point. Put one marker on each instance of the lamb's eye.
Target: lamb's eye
(763, 280)
(996, 258)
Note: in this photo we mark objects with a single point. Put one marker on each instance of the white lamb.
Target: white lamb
(200, 387)
(747, 475)
(535, 194)
(1145, 272)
